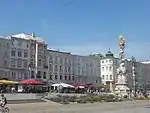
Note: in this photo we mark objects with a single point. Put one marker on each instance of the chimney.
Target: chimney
(33, 34)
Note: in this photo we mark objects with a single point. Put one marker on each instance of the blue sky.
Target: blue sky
(81, 26)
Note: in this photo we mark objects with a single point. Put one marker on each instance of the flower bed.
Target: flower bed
(84, 99)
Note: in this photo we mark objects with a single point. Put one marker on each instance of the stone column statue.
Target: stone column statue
(121, 85)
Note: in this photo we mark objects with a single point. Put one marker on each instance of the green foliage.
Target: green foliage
(72, 98)
(91, 98)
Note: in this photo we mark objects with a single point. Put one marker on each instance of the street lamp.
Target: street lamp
(134, 75)
(146, 84)
(134, 80)
(49, 85)
(29, 69)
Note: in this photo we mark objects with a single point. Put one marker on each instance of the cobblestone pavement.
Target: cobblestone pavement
(118, 107)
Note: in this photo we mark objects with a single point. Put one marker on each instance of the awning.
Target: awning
(8, 82)
(80, 85)
(31, 82)
(63, 85)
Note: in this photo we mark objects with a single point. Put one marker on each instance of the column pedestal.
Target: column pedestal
(111, 87)
(122, 90)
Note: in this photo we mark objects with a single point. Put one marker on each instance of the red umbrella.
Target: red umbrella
(31, 81)
(80, 85)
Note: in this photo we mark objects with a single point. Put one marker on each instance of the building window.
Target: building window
(78, 79)
(39, 63)
(103, 77)
(40, 50)
(96, 81)
(65, 60)
(110, 77)
(60, 68)
(5, 63)
(55, 77)
(50, 67)
(27, 45)
(110, 68)
(60, 60)
(106, 68)
(39, 57)
(102, 61)
(19, 43)
(50, 77)
(39, 74)
(12, 43)
(25, 63)
(69, 69)
(91, 65)
(65, 69)
(44, 75)
(65, 77)
(13, 52)
(72, 77)
(56, 68)
(32, 74)
(6, 55)
(107, 77)
(19, 53)
(25, 53)
(102, 68)
(7, 45)
(69, 78)
(50, 58)
(20, 75)
(110, 61)
(106, 61)
(25, 76)
(19, 63)
(69, 62)
(60, 77)
(13, 62)
(87, 65)
(56, 60)
(13, 74)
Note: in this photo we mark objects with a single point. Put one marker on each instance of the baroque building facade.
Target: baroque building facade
(22, 57)
(110, 64)
(25, 56)
(73, 69)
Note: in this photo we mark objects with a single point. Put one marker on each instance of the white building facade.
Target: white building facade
(23, 57)
(109, 66)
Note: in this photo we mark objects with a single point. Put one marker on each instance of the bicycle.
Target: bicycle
(4, 110)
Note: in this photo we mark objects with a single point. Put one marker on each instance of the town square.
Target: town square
(74, 56)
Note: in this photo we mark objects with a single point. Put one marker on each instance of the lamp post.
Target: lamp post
(134, 80)
(146, 84)
(49, 84)
(29, 69)
(133, 75)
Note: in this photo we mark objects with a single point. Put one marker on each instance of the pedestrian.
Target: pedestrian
(12, 90)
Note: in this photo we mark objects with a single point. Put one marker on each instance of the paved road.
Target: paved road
(119, 107)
